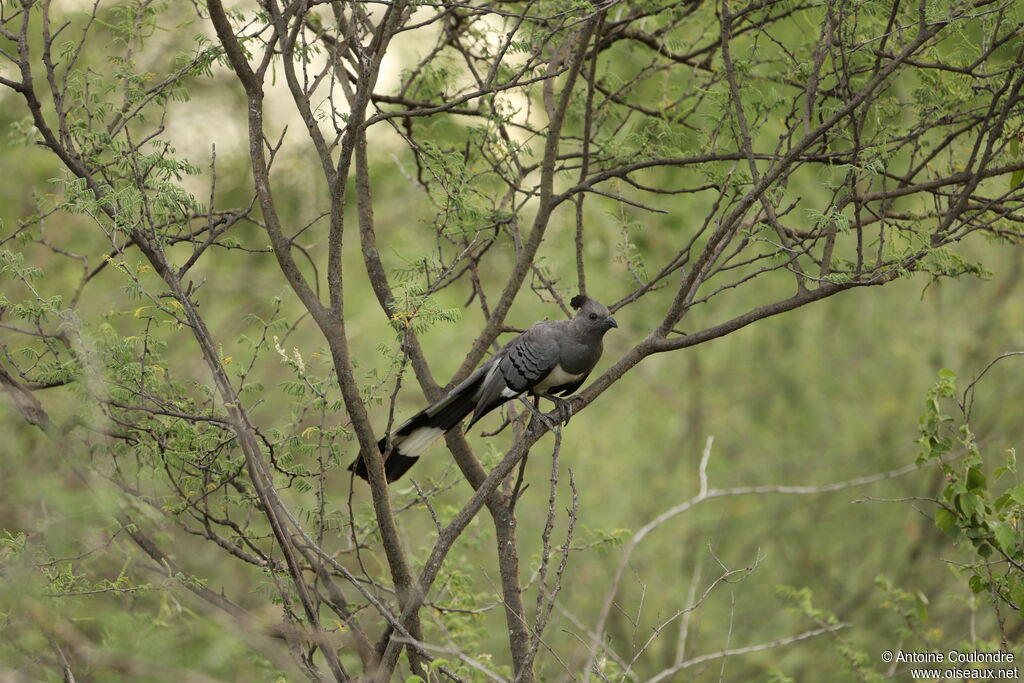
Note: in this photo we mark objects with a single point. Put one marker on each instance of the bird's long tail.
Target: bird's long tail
(417, 433)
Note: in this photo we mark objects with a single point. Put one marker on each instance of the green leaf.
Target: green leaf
(1006, 537)
(1018, 175)
(969, 504)
(1017, 493)
(1016, 178)
(1017, 592)
(945, 520)
(975, 479)
(921, 604)
(977, 584)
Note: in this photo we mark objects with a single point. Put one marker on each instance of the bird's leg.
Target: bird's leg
(563, 406)
(535, 409)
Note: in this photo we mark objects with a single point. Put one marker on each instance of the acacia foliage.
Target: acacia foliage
(656, 154)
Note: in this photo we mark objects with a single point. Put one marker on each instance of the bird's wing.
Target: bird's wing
(520, 365)
(531, 357)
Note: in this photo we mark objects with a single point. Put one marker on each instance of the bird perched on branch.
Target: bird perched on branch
(551, 359)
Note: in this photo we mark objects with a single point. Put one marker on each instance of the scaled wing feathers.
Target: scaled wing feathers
(517, 367)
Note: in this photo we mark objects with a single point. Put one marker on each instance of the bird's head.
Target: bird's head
(592, 315)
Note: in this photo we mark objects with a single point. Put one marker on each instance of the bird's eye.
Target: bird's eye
(593, 316)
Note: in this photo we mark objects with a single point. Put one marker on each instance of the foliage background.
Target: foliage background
(826, 393)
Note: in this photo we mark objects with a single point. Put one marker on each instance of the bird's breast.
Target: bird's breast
(556, 378)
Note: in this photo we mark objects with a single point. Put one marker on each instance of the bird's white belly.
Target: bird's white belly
(556, 378)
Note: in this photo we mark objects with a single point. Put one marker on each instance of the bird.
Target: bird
(551, 359)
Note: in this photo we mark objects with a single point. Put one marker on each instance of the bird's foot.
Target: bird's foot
(564, 408)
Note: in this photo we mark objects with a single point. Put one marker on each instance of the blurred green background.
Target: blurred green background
(827, 393)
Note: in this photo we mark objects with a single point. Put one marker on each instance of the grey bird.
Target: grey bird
(551, 359)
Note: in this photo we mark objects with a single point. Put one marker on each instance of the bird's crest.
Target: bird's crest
(577, 301)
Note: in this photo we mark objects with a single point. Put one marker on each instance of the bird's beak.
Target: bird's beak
(610, 322)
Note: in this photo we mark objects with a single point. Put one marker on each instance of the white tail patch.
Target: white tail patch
(419, 440)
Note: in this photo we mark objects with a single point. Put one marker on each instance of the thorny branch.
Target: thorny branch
(551, 105)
